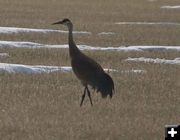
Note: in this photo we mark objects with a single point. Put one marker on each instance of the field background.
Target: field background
(46, 106)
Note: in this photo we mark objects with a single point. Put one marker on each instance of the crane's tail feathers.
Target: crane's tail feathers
(106, 86)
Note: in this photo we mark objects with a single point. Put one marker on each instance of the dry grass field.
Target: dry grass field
(46, 106)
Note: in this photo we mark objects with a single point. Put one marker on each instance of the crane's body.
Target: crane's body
(88, 71)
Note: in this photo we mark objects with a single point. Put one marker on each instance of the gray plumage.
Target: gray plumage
(88, 71)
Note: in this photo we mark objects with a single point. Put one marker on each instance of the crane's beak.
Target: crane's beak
(59, 22)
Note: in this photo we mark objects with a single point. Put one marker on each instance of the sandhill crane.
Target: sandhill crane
(88, 71)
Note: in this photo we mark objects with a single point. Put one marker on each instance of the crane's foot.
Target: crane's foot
(89, 95)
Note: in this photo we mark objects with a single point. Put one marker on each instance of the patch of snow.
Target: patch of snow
(10, 30)
(134, 71)
(176, 61)
(16, 44)
(36, 69)
(4, 55)
(30, 69)
(171, 7)
(85, 47)
(149, 23)
(110, 70)
(106, 33)
(158, 48)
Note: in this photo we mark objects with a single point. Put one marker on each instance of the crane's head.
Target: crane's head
(65, 21)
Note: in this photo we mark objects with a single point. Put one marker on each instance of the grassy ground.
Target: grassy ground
(46, 106)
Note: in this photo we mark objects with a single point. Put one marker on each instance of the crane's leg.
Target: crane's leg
(83, 96)
(89, 95)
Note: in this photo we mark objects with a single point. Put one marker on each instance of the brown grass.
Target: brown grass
(46, 106)
(95, 16)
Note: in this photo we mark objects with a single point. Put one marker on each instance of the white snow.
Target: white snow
(16, 44)
(106, 33)
(157, 48)
(4, 55)
(175, 61)
(10, 30)
(171, 7)
(30, 69)
(134, 71)
(149, 23)
(36, 69)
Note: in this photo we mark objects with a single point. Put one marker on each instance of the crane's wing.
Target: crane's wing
(91, 73)
(86, 69)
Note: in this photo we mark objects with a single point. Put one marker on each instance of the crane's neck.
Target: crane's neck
(73, 50)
